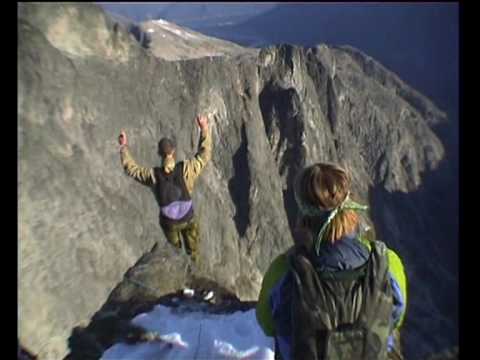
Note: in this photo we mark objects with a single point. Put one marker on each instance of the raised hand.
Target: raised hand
(122, 138)
(202, 122)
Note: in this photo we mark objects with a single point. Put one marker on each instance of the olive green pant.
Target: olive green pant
(191, 235)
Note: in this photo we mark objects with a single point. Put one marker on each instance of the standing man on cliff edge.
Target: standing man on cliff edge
(173, 185)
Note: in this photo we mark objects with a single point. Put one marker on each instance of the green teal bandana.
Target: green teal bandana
(308, 210)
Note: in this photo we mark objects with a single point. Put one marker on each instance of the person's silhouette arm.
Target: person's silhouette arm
(194, 166)
(141, 174)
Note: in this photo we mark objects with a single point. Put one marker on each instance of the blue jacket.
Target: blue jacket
(348, 253)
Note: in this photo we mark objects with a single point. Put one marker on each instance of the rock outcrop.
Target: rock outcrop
(83, 223)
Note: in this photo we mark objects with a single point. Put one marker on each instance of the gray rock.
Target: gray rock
(84, 224)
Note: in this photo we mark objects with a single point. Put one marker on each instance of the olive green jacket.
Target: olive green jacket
(279, 267)
(191, 170)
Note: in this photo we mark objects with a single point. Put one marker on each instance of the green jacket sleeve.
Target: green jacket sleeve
(398, 273)
(275, 272)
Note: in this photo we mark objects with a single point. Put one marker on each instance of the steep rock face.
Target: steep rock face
(83, 223)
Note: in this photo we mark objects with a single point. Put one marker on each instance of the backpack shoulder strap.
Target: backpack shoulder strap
(378, 262)
(377, 305)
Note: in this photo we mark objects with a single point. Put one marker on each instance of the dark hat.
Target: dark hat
(166, 146)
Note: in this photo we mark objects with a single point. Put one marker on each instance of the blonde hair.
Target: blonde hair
(326, 186)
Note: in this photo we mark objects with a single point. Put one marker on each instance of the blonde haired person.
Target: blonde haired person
(334, 294)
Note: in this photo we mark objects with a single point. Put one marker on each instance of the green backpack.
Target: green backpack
(341, 315)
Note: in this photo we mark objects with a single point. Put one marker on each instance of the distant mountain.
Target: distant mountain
(171, 42)
(136, 12)
(184, 13)
(191, 14)
(418, 42)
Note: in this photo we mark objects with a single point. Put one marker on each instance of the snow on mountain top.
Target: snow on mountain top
(165, 25)
(160, 21)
